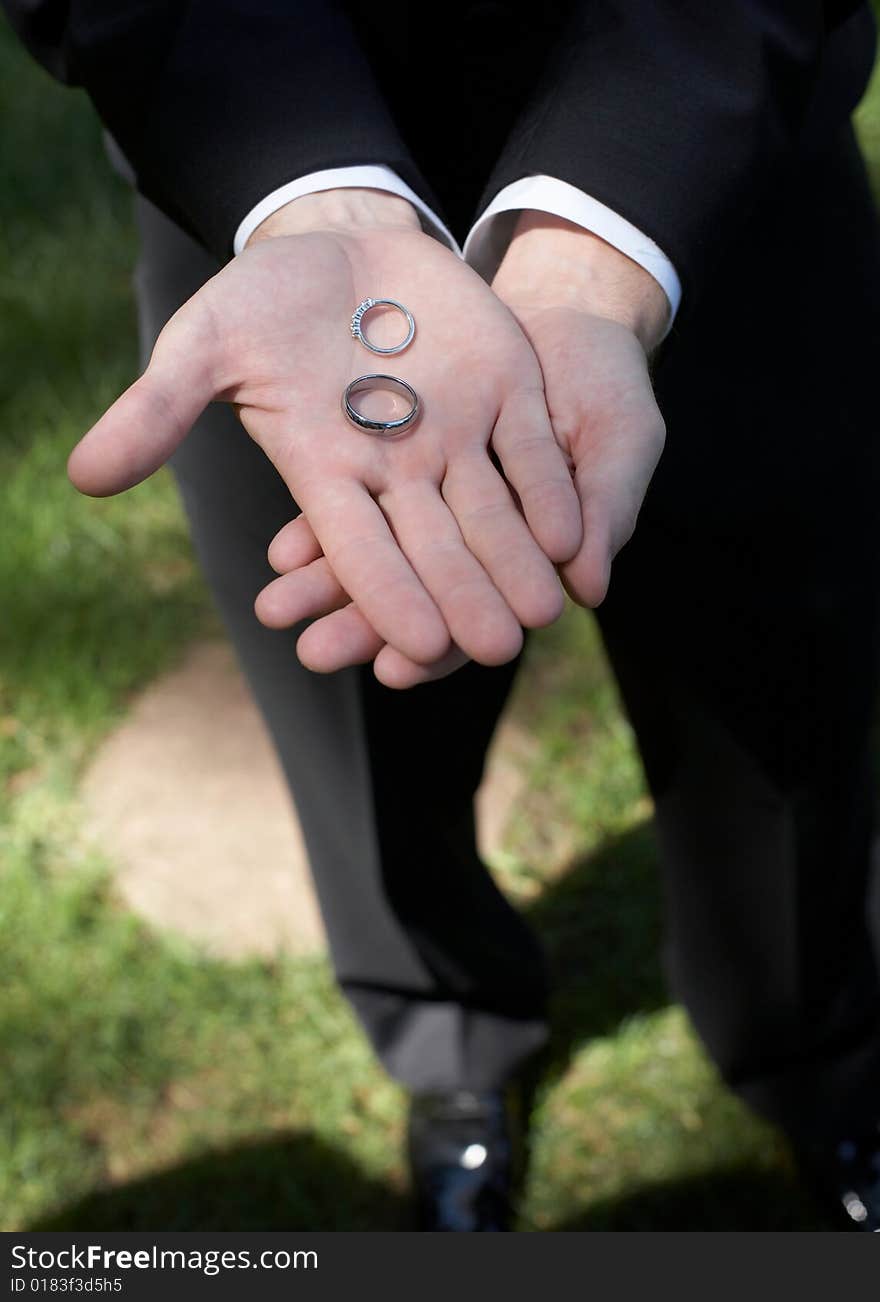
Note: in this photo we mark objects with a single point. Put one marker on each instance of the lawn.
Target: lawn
(144, 1086)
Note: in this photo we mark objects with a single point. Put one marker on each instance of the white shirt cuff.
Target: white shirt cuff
(487, 242)
(489, 237)
(371, 176)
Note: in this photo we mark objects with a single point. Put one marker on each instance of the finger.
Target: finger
(370, 566)
(499, 537)
(536, 468)
(611, 479)
(345, 639)
(477, 616)
(144, 426)
(304, 593)
(338, 641)
(293, 546)
(394, 670)
(587, 575)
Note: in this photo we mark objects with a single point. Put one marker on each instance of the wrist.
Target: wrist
(551, 262)
(348, 209)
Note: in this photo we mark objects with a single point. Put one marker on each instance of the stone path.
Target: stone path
(187, 799)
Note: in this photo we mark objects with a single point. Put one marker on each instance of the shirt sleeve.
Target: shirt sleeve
(681, 115)
(490, 235)
(366, 176)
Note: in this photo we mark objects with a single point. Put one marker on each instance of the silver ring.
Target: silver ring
(365, 383)
(367, 306)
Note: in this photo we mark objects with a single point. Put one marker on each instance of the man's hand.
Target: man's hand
(421, 530)
(593, 317)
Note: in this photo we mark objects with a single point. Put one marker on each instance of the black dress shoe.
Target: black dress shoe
(461, 1152)
(846, 1178)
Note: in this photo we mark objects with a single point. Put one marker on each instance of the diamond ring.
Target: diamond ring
(367, 306)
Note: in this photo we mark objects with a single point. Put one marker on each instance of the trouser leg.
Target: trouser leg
(742, 624)
(754, 723)
(443, 974)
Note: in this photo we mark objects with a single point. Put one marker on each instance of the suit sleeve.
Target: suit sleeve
(676, 113)
(215, 103)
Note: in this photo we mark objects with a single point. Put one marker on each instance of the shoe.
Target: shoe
(462, 1159)
(846, 1178)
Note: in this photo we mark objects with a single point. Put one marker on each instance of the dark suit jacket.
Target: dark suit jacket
(719, 127)
(675, 113)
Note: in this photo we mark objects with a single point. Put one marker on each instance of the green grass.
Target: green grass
(145, 1086)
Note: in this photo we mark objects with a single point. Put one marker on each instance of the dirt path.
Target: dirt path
(188, 800)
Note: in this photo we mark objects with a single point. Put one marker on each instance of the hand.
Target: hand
(421, 530)
(593, 316)
(341, 636)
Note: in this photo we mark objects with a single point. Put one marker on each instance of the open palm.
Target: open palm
(608, 426)
(421, 530)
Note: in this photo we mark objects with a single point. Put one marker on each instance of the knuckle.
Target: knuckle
(523, 443)
(485, 515)
(357, 544)
(551, 488)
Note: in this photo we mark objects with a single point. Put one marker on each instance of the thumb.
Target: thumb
(143, 427)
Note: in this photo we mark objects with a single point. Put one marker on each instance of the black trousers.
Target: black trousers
(742, 626)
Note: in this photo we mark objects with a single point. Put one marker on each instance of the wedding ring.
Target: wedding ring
(366, 383)
(367, 306)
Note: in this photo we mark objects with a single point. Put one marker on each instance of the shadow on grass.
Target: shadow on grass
(298, 1184)
(719, 1201)
(601, 925)
(291, 1182)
